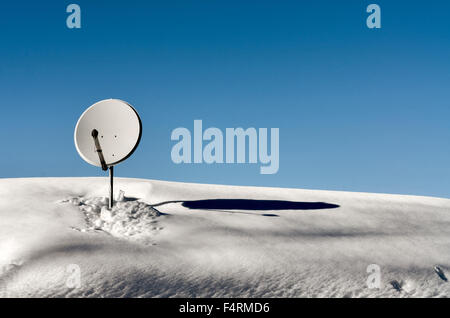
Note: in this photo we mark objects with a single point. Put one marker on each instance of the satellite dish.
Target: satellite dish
(107, 133)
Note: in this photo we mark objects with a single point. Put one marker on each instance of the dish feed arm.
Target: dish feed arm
(98, 148)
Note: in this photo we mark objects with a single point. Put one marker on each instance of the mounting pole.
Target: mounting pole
(111, 187)
(99, 151)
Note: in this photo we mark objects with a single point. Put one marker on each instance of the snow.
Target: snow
(167, 239)
(129, 218)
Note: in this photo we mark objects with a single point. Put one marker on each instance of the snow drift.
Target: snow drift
(166, 239)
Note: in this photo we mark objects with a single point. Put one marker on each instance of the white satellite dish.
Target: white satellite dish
(107, 133)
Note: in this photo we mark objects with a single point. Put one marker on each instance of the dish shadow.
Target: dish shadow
(255, 205)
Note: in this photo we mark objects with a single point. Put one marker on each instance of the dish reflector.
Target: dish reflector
(111, 129)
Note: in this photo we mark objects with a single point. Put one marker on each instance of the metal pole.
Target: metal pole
(111, 187)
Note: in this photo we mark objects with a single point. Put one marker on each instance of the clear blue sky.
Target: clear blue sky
(358, 109)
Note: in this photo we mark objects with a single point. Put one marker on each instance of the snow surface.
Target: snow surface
(160, 241)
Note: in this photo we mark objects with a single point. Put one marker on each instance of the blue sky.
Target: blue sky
(358, 109)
